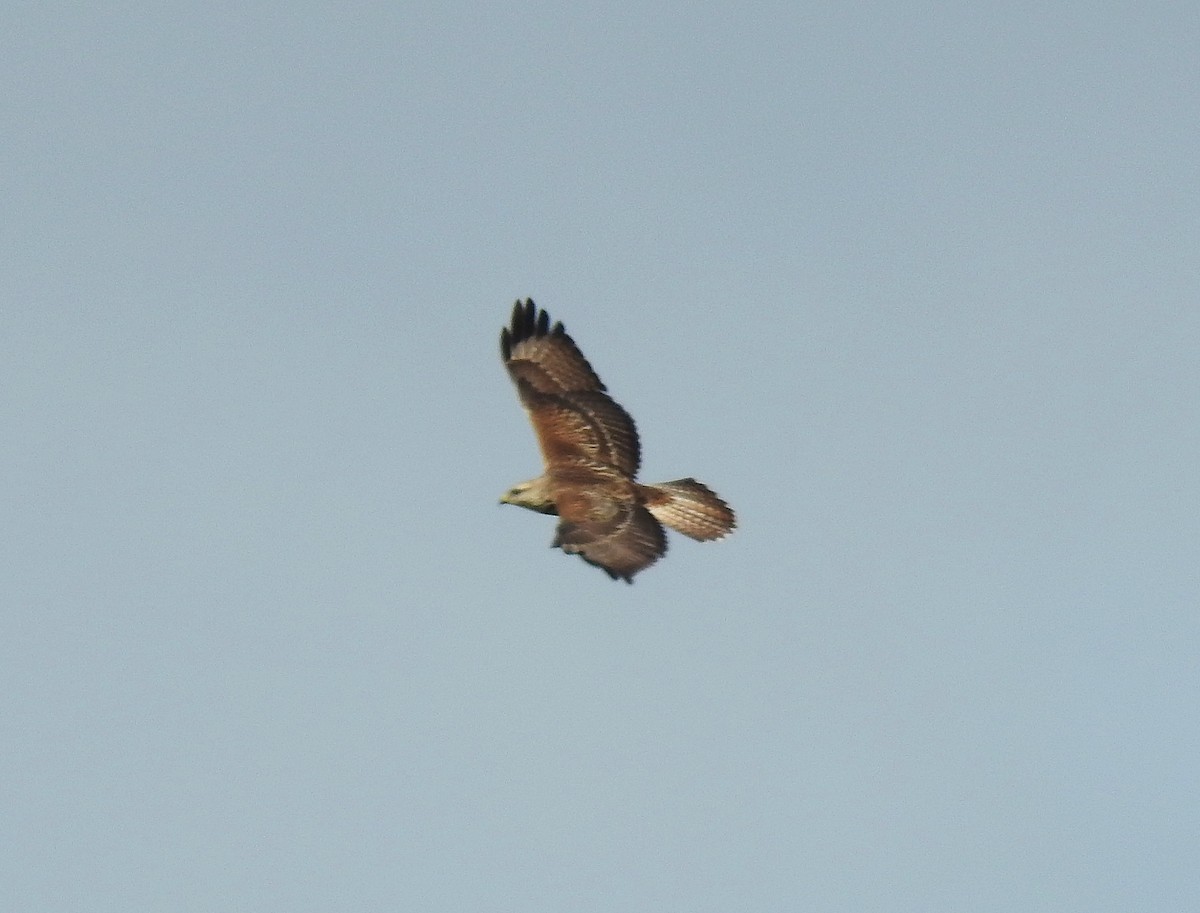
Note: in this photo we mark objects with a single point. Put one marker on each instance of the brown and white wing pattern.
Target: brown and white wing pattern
(601, 520)
(630, 542)
(572, 415)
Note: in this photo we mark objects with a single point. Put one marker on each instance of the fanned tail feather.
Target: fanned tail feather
(689, 507)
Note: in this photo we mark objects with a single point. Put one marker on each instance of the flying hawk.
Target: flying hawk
(591, 454)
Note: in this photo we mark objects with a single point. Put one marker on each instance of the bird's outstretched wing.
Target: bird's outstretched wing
(626, 543)
(572, 415)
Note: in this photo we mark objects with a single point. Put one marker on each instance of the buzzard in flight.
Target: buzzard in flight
(591, 455)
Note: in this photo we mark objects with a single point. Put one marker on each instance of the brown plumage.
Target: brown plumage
(591, 455)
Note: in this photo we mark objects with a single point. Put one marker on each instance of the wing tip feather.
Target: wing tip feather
(529, 322)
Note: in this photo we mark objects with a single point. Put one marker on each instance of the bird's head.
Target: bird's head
(532, 495)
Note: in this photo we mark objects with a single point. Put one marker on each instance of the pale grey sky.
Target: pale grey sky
(914, 286)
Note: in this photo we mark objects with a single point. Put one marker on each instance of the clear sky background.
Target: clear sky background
(914, 286)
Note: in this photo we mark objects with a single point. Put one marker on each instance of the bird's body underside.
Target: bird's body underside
(591, 454)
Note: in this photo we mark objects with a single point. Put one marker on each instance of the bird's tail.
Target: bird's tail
(689, 507)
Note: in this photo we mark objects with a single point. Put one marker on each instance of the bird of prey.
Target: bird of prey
(591, 454)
